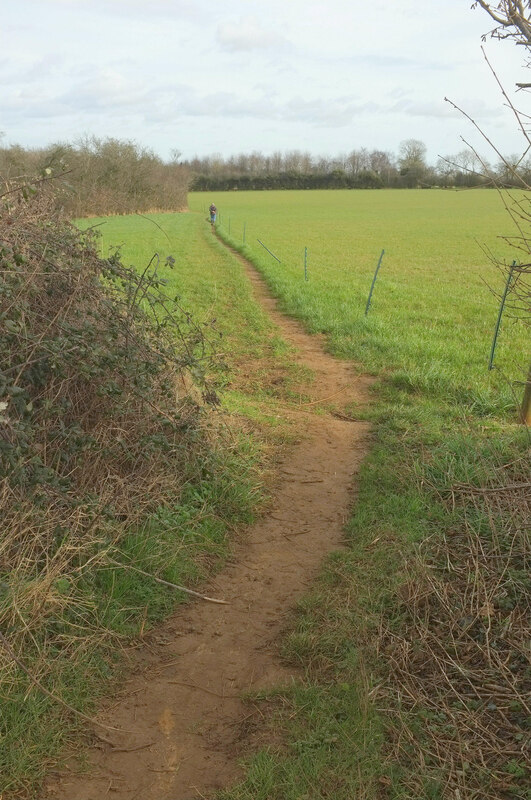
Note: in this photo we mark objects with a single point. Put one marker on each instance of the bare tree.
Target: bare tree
(382, 163)
(358, 160)
(513, 21)
(511, 18)
(412, 161)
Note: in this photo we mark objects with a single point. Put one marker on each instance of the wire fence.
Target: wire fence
(229, 232)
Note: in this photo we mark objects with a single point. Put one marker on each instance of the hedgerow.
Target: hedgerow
(105, 386)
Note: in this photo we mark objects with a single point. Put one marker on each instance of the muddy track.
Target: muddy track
(180, 713)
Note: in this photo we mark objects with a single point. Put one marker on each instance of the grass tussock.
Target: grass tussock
(458, 687)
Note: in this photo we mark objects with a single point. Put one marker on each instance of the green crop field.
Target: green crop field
(433, 312)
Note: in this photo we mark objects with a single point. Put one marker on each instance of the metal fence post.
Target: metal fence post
(373, 282)
(500, 312)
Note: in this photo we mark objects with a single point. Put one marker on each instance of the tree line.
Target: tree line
(110, 176)
(359, 169)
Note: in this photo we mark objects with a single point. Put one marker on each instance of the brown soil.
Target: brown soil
(180, 715)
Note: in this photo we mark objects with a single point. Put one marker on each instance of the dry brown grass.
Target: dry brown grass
(460, 676)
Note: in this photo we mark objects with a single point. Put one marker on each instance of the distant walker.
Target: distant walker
(213, 213)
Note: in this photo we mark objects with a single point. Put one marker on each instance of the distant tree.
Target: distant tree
(275, 162)
(445, 171)
(412, 162)
(358, 160)
(505, 170)
(465, 168)
(383, 165)
(293, 170)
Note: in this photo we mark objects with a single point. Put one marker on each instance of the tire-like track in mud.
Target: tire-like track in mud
(180, 712)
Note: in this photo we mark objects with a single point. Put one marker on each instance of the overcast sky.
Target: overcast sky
(201, 76)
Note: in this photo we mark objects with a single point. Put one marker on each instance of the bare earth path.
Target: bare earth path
(180, 710)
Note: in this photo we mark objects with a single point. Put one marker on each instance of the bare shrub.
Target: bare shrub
(103, 176)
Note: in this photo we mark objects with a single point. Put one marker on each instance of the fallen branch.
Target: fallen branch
(167, 583)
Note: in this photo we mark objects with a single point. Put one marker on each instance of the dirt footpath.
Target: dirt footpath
(179, 715)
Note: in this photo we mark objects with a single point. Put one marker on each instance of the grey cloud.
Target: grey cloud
(109, 92)
(336, 112)
(45, 67)
(377, 60)
(426, 109)
(26, 72)
(380, 61)
(249, 35)
(397, 92)
(443, 110)
(27, 105)
(106, 90)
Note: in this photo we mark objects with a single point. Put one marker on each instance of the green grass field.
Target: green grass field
(432, 315)
(203, 278)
